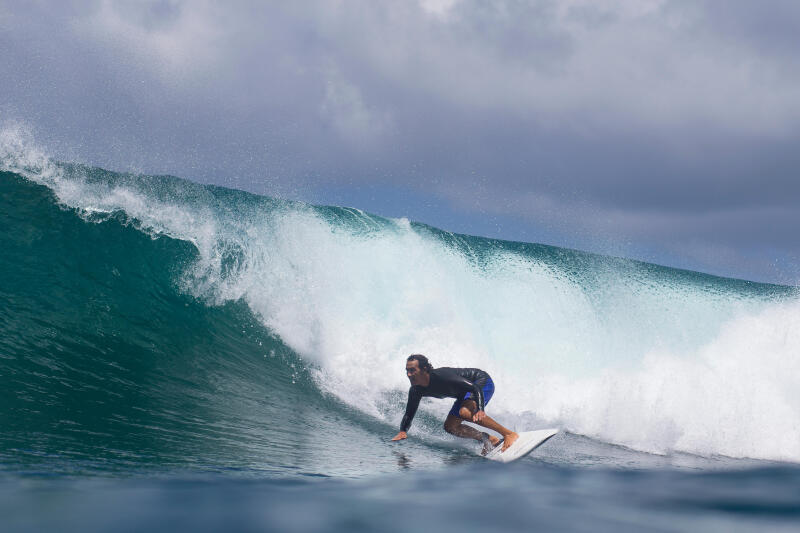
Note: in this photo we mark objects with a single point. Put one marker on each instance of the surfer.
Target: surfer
(471, 387)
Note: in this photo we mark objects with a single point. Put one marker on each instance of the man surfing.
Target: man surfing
(471, 387)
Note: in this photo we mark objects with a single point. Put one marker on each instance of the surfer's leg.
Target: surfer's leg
(453, 425)
(465, 413)
(469, 408)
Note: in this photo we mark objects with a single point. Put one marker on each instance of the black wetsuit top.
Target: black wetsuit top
(446, 383)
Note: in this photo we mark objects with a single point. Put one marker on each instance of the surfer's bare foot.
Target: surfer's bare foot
(509, 440)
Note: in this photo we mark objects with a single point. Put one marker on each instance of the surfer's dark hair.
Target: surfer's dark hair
(423, 362)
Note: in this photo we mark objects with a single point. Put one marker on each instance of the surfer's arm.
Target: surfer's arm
(411, 409)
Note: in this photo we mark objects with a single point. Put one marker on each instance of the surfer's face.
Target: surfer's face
(415, 375)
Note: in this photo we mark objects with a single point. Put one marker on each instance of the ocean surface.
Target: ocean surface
(176, 355)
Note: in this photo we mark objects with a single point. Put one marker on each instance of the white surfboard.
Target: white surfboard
(525, 444)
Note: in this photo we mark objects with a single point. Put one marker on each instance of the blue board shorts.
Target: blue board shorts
(488, 390)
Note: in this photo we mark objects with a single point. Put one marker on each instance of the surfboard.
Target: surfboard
(525, 444)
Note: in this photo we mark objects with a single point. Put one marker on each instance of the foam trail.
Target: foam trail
(733, 396)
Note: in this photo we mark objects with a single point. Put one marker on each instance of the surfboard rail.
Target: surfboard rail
(525, 444)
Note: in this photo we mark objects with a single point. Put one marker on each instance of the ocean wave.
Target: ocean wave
(631, 353)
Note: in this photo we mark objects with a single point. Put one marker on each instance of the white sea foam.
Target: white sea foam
(644, 360)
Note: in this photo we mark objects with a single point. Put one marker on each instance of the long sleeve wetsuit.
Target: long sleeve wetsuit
(446, 383)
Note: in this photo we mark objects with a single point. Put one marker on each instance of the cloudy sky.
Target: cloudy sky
(663, 130)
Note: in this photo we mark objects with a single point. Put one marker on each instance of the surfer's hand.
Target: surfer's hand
(400, 436)
(477, 417)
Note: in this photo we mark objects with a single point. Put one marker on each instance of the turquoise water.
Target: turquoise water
(164, 344)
